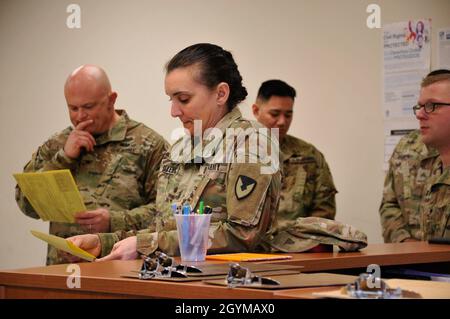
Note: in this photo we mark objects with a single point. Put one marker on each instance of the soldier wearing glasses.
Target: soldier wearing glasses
(416, 196)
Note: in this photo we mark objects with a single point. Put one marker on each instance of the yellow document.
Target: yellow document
(63, 244)
(53, 194)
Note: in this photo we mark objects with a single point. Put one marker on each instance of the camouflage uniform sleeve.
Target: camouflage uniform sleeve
(252, 202)
(134, 219)
(141, 217)
(395, 229)
(145, 240)
(324, 202)
(139, 220)
(49, 156)
(107, 240)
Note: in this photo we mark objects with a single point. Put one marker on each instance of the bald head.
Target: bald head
(89, 97)
(88, 78)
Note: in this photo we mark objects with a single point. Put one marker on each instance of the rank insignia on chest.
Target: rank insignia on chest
(244, 186)
(170, 169)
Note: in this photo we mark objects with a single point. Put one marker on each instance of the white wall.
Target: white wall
(323, 48)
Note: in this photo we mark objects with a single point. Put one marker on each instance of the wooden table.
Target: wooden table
(393, 254)
(103, 279)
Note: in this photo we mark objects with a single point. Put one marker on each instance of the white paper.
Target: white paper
(444, 49)
(407, 45)
(401, 93)
(406, 60)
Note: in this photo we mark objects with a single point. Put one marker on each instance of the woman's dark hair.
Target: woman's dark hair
(216, 65)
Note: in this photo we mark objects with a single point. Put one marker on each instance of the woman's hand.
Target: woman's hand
(90, 243)
(123, 250)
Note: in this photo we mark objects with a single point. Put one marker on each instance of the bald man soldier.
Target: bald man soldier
(114, 160)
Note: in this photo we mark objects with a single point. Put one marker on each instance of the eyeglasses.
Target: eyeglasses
(428, 107)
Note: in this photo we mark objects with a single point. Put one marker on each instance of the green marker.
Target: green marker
(200, 208)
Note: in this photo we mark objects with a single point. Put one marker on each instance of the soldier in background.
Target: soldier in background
(411, 165)
(416, 196)
(307, 185)
(113, 159)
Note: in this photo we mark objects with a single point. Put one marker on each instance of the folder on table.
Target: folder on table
(294, 281)
(247, 257)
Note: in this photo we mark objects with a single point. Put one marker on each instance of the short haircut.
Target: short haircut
(436, 76)
(275, 87)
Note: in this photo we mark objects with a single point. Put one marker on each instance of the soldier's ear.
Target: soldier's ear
(223, 92)
(112, 98)
(255, 109)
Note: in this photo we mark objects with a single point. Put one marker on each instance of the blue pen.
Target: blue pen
(186, 209)
(185, 227)
(175, 208)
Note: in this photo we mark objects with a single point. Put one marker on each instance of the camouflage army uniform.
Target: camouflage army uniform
(307, 185)
(413, 170)
(120, 175)
(238, 222)
(435, 208)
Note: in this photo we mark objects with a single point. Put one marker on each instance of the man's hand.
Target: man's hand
(94, 221)
(79, 139)
(89, 243)
(123, 250)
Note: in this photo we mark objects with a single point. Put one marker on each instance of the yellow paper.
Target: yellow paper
(246, 257)
(64, 245)
(53, 194)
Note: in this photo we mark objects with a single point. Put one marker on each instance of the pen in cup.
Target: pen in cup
(201, 207)
(208, 210)
(174, 208)
(186, 209)
(186, 226)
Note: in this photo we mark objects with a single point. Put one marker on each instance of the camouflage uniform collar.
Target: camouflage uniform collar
(444, 178)
(117, 132)
(428, 153)
(226, 122)
(424, 151)
(229, 118)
